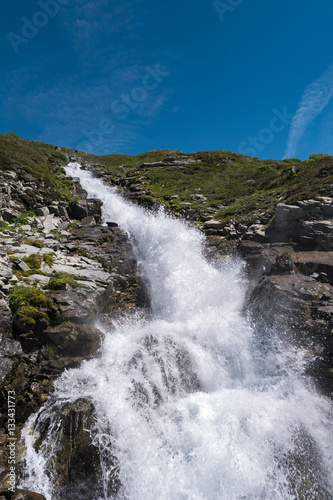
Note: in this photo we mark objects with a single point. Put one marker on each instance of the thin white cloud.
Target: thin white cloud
(314, 100)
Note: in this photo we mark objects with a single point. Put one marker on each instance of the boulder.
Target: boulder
(41, 211)
(213, 224)
(71, 339)
(77, 209)
(9, 214)
(317, 235)
(198, 198)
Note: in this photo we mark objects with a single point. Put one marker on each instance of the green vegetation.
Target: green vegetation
(6, 227)
(34, 243)
(25, 303)
(317, 156)
(60, 156)
(10, 133)
(22, 219)
(22, 296)
(34, 261)
(38, 162)
(48, 259)
(58, 281)
(236, 187)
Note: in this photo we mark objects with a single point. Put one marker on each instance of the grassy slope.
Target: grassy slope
(237, 186)
(36, 162)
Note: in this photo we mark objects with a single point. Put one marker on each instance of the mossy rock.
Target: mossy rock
(22, 296)
(58, 281)
(27, 316)
(26, 304)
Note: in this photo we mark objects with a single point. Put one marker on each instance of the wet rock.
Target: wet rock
(73, 339)
(300, 309)
(68, 429)
(27, 495)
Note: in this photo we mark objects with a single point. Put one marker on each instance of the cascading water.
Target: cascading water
(188, 401)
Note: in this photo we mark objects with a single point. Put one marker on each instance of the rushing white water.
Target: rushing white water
(193, 405)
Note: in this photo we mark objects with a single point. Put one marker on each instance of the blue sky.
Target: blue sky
(110, 76)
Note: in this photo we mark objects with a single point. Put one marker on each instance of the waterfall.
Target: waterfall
(188, 400)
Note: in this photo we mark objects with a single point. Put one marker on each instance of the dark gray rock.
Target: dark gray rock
(74, 458)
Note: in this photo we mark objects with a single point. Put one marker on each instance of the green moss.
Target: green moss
(58, 281)
(26, 304)
(34, 261)
(48, 259)
(22, 296)
(27, 316)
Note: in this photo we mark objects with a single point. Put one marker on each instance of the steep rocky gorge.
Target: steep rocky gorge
(75, 270)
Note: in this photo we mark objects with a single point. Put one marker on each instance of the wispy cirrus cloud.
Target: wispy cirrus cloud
(314, 100)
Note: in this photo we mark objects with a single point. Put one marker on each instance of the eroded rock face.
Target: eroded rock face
(308, 223)
(292, 293)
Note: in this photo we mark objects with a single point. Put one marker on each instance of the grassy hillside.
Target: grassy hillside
(37, 162)
(236, 187)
